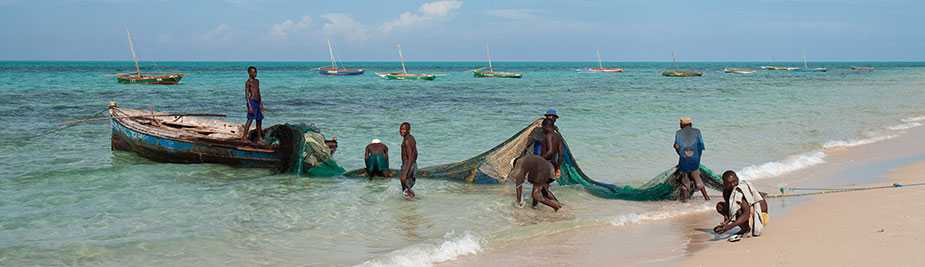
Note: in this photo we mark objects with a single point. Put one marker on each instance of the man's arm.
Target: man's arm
(743, 216)
(258, 97)
(677, 148)
(247, 96)
(700, 140)
(386, 151)
(366, 154)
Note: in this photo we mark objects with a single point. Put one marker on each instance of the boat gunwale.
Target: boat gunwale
(121, 120)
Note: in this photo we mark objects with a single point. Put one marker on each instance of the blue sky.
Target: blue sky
(751, 30)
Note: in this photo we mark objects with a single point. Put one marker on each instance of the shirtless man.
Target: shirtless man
(409, 158)
(743, 206)
(377, 159)
(254, 104)
(539, 173)
(552, 145)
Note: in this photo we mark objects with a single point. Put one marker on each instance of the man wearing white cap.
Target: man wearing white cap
(688, 143)
(377, 159)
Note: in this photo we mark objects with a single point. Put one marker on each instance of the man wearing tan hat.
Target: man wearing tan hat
(688, 143)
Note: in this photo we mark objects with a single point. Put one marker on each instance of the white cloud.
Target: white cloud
(514, 14)
(221, 33)
(427, 12)
(282, 30)
(344, 25)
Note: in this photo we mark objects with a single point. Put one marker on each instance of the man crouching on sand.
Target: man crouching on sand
(743, 206)
(540, 173)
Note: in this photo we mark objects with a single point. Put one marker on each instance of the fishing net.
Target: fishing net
(306, 150)
(493, 167)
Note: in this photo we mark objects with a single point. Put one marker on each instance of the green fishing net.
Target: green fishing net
(306, 150)
(493, 167)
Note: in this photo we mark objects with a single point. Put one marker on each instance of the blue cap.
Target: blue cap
(552, 112)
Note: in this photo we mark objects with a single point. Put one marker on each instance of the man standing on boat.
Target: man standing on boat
(688, 143)
(377, 159)
(254, 105)
(409, 158)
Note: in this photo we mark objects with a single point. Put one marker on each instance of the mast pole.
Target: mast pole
(674, 61)
(600, 64)
(331, 51)
(402, 58)
(488, 51)
(131, 47)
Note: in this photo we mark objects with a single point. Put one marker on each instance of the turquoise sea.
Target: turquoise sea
(67, 199)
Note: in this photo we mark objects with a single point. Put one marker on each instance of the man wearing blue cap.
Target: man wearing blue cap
(553, 115)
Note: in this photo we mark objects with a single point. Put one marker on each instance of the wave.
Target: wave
(904, 126)
(671, 212)
(854, 143)
(914, 119)
(427, 254)
(776, 168)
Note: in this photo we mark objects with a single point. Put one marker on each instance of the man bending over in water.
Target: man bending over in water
(254, 104)
(743, 206)
(539, 173)
(409, 158)
(688, 143)
(377, 159)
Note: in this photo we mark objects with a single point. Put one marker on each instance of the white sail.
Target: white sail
(331, 51)
(131, 47)
(600, 64)
(402, 58)
(490, 67)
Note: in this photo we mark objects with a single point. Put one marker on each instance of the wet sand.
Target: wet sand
(860, 228)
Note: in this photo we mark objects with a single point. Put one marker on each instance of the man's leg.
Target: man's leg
(685, 186)
(247, 127)
(699, 183)
(259, 131)
(538, 196)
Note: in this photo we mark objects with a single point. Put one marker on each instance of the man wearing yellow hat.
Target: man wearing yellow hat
(688, 143)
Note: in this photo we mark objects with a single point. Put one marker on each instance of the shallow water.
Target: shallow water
(65, 198)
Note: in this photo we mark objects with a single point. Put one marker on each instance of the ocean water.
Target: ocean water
(67, 199)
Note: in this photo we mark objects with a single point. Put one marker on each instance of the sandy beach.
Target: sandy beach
(858, 228)
(863, 228)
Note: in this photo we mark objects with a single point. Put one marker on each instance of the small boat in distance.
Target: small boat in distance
(861, 69)
(149, 78)
(404, 75)
(806, 66)
(601, 68)
(738, 70)
(491, 73)
(674, 72)
(780, 68)
(333, 70)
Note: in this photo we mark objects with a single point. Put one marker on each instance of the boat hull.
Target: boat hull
(340, 72)
(606, 70)
(682, 73)
(172, 150)
(168, 79)
(407, 76)
(494, 74)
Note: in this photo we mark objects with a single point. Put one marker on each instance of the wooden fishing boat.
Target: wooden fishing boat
(404, 75)
(682, 73)
(738, 70)
(601, 68)
(149, 78)
(780, 68)
(861, 69)
(483, 73)
(490, 71)
(674, 72)
(334, 70)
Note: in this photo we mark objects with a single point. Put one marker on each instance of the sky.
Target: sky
(460, 30)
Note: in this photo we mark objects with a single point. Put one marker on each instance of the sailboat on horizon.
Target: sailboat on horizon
(491, 73)
(150, 78)
(404, 75)
(600, 66)
(806, 66)
(334, 70)
(674, 72)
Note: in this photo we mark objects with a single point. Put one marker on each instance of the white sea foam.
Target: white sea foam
(452, 247)
(914, 119)
(854, 143)
(634, 218)
(904, 126)
(789, 164)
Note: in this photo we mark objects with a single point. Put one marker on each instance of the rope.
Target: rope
(783, 190)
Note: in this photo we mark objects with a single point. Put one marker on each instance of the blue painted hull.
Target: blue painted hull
(164, 149)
